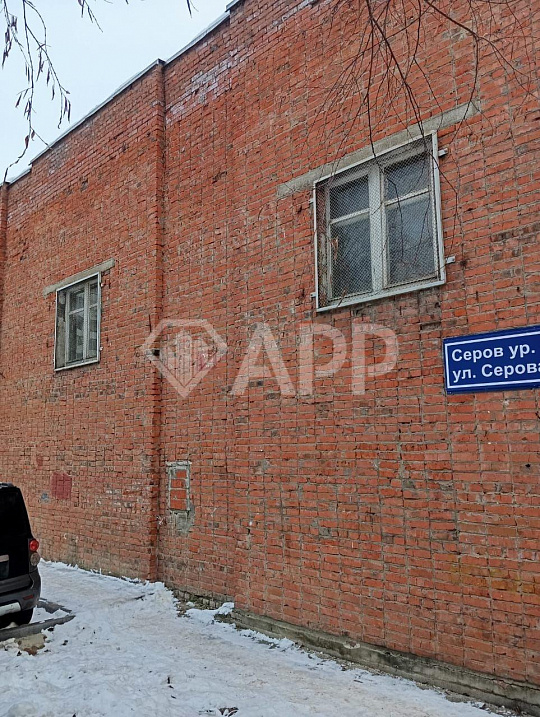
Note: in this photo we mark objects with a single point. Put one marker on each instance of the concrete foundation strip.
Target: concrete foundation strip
(503, 692)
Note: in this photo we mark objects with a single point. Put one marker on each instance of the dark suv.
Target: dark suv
(20, 584)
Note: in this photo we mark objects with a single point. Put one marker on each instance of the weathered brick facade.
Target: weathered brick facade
(405, 517)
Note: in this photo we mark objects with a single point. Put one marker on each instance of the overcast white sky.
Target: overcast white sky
(93, 63)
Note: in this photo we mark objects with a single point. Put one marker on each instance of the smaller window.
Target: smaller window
(378, 227)
(78, 313)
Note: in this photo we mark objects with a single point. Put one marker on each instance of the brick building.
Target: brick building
(404, 517)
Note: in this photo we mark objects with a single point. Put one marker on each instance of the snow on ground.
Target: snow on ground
(128, 652)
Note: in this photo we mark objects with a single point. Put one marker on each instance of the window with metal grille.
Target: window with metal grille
(78, 309)
(378, 227)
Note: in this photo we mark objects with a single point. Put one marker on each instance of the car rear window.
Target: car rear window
(13, 516)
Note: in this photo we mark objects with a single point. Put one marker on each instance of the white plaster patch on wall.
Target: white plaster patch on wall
(292, 11)
(204, 86)
(209, 85)
(57, 157)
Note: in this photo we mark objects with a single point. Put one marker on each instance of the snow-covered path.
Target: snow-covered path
(128, 653)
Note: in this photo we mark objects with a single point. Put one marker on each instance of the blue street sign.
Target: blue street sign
(498, 361)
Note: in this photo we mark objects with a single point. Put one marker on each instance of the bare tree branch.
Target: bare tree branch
(26, 34)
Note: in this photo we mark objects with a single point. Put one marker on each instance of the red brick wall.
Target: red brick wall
(404, 517)
(90, 198)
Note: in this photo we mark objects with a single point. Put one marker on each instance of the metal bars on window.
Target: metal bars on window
(378, 228)
(78, 314)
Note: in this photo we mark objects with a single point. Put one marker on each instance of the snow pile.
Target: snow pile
(207, 617)
(127, 652)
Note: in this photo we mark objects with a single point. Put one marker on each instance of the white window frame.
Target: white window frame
(86, 313)
(371, 167)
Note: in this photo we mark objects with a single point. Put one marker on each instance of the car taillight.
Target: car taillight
(34, 559)
(33, 545)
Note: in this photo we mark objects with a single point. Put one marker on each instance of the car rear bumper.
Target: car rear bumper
(22, 598)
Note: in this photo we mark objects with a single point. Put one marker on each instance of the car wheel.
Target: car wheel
(23, 617)
(5, 620)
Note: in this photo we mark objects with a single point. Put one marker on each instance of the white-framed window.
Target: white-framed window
(78, 316)
(378, 226)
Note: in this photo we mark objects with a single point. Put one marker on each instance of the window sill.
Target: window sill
(389, 293)
(77, 365)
